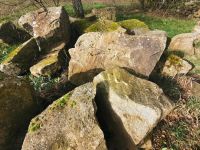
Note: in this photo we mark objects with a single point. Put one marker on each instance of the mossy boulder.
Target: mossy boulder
(17, 106)
(22, 58)
(176, 65)
(128, 107)
(68, 123)
(132, 24)
(103, 26)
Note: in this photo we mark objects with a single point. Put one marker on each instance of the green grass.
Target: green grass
(43, 83)
(171, 25)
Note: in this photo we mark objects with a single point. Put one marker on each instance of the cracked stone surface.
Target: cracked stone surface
(128, 107)
(95, 52)
(68, 124)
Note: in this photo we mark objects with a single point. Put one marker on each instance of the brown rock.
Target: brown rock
(95, 52)
(184, 43)
(20, 59)
(69, 123)
(176, 65)
(128, 107)
(17, 107)
(47, 27)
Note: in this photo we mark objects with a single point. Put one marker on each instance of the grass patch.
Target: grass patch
(171, 25)
(43, 83)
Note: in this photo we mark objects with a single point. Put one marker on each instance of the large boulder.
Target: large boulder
(21, 59)
(10, 33)
(95, 52)
(176, 65)
(48, 27)
(69, 123)
(128, 107)
(17, 106)
(108, 13)
(185, 43)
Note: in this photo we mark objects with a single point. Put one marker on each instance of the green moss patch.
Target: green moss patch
(35, 125)
(103, 26)
(175, 61)
(132, 24)
(63, 101)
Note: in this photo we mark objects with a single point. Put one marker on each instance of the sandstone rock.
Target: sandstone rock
(95, 52)
(10, 33)
(17, 107)
(69, 123)
(20, 59)
(50, 64)
(47, 27)
(184, 42)
(128, 107)
(176, 65)
(108, 13)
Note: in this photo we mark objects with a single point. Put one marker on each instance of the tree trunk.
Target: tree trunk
(78, 8)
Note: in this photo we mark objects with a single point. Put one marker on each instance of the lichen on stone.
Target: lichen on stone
(174, 61)
(132, 24)
(62, 102)
(103, 26)
(35, 125)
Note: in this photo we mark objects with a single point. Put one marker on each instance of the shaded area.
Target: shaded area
(114, 131)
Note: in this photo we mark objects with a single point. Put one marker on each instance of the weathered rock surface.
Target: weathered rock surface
(10, 33)
(17, 107)
(20, 59)
(108, 13)
(185, 43)
(128, 107)
(176, 65)
(50, 64)
(47, 27)
(69, 123)
(95, 52)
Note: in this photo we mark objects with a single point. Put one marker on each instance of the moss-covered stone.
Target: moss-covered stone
(132, 24)
(35, 125)
(23, 56)
(103, 26)
(176, 65)
(17, 106)
(175, 61)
